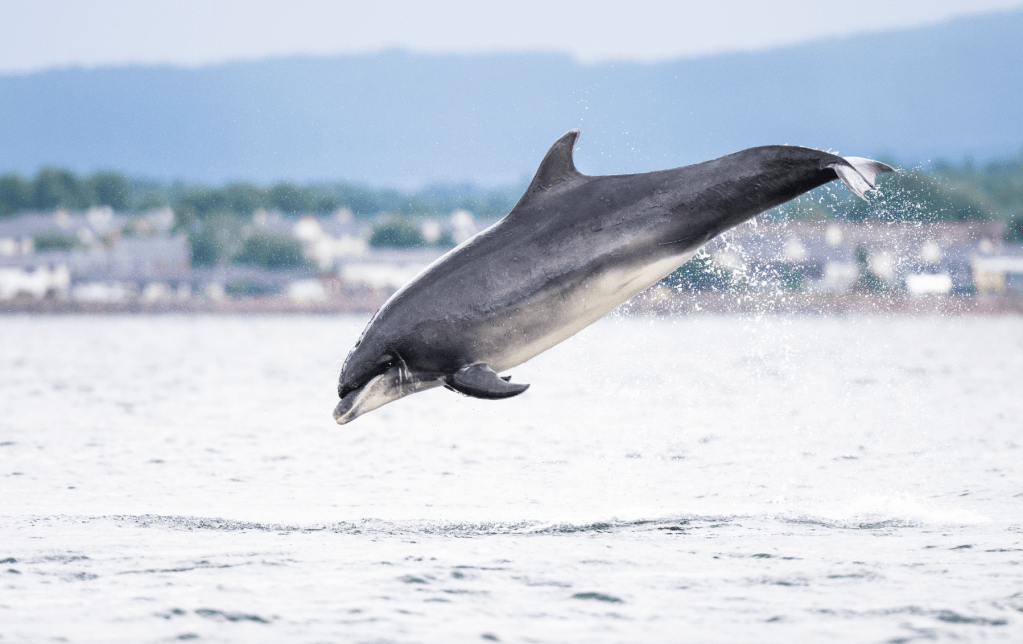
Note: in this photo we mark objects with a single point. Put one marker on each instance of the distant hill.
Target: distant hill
(406, 120)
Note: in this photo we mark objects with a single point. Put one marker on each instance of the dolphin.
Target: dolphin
(572, 249)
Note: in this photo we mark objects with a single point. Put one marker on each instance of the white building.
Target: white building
(998, 273)
(329, 241)
(387, 268)
(37, 282)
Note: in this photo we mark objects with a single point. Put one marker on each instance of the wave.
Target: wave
(678, 523)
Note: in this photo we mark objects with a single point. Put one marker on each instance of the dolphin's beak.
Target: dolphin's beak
(389, 386)
(373, 394)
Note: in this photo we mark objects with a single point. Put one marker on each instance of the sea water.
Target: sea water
(701, 479)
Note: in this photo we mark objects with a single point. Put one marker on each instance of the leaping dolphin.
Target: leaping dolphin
(572, 249)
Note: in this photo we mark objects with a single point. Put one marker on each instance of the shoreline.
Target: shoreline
(659, 301)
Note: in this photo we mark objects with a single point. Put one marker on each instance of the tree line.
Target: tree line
(52, 188)
(946, 192)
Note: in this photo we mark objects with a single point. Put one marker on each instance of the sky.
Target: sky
(45, 34)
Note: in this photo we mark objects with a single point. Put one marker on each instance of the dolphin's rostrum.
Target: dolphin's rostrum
(571, 250)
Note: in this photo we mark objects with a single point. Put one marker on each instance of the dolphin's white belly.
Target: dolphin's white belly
(583, 305)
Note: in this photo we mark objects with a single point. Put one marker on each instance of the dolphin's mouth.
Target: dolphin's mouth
(395, 383)
(361, 400)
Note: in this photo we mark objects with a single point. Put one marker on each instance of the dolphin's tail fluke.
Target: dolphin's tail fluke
(858, 174)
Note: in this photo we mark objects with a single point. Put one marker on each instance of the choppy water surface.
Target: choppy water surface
(703, 479)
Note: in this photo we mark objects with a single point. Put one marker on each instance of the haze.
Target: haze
(53, 34)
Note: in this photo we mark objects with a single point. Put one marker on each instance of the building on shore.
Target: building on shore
(101, 256)
(920, 259)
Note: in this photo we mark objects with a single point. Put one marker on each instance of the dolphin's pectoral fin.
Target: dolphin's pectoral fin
(480, 381)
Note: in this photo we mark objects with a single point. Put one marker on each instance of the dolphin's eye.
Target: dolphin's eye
(369, 371)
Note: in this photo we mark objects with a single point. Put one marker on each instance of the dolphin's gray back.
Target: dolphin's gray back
(575, 247)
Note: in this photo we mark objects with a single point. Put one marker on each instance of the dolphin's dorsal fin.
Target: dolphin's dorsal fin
(557, 167)
(480, 381)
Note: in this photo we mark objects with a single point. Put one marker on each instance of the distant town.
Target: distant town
(98, 259)
(105, 242)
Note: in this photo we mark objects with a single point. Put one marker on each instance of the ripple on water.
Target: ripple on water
(660, 477)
